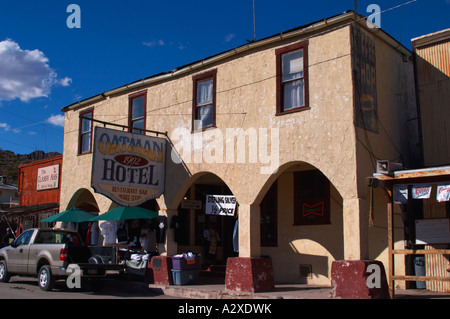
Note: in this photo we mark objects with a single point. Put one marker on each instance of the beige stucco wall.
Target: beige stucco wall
(323, 137)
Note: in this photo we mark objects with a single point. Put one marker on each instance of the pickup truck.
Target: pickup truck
(52, 254)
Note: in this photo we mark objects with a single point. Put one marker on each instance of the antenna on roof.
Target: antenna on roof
(254, 22)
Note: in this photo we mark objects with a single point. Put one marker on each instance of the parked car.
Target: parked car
(52, 254)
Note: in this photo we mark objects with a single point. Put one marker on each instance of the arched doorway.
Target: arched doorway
(196, 222)
(84, 200)
(301, 224)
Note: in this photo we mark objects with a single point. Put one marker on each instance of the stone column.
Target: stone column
(249, 230)
(355, 229)
(249, 272)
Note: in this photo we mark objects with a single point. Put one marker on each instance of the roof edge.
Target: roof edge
(339, 20)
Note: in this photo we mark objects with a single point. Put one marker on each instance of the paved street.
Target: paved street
(27, 288)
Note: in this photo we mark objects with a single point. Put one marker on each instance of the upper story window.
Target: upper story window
(137, 111)
(204, 102)
(85, 132)
(292, 78)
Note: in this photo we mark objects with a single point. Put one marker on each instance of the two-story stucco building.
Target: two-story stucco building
(291, 125)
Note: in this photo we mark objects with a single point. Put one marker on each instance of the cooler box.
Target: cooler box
(185, 277)
(181, 263)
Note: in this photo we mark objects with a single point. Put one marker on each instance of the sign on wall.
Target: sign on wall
(223, 205)
(191, 204)
(48, 177)
(365, 80)
(128, 168)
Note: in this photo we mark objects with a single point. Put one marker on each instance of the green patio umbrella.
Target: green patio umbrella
(73, 214)
(121, 213)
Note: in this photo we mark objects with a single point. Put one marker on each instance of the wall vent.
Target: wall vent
(305, 271)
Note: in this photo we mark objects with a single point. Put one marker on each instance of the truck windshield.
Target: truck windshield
(57, 237)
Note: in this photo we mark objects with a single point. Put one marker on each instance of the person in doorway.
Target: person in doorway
(211, 237)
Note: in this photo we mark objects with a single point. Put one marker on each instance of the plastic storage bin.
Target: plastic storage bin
(185, 277)
(181, 263)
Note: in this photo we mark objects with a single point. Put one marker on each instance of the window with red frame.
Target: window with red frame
(292, 78)
(85, 132)
(137, 111)
(204, 102)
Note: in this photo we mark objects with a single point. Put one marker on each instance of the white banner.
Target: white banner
(223, 205)
(421, 191)
(128, 168)
(400, 194)
(443, 193)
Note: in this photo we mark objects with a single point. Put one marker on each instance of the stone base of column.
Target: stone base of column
(359, 279)
(162, 270)
(249, 274)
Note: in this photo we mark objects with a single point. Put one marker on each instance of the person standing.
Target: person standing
(212, 238)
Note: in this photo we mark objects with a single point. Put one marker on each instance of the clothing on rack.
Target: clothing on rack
(109, 230)
(161, 227)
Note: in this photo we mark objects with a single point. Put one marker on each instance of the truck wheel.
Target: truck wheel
(4, 274)
(45, 278)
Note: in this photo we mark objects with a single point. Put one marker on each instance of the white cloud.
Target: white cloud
(57, 120)
(229, 37)
(7, 128)
(4, 126)
(162, 43)
(154, 43)
(65, 82)
(25, 74)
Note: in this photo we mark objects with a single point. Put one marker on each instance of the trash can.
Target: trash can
(419, 267)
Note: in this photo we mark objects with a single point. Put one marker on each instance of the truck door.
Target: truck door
(18, 254)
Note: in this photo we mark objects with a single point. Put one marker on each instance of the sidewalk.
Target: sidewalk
(219, 292)
(285, 291)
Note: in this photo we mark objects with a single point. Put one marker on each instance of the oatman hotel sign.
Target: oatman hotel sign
(128, 168)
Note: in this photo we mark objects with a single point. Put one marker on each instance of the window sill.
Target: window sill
(298, 109)
(203, 129)
(85, 153)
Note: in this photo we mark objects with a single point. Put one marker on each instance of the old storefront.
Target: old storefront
(289, 126)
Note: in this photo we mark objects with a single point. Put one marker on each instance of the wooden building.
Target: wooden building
(39, 191)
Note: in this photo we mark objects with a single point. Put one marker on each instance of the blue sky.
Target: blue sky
(45, 65)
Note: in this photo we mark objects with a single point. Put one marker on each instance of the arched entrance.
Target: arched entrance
(84, 200)
(301, 224)
(195, 223)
